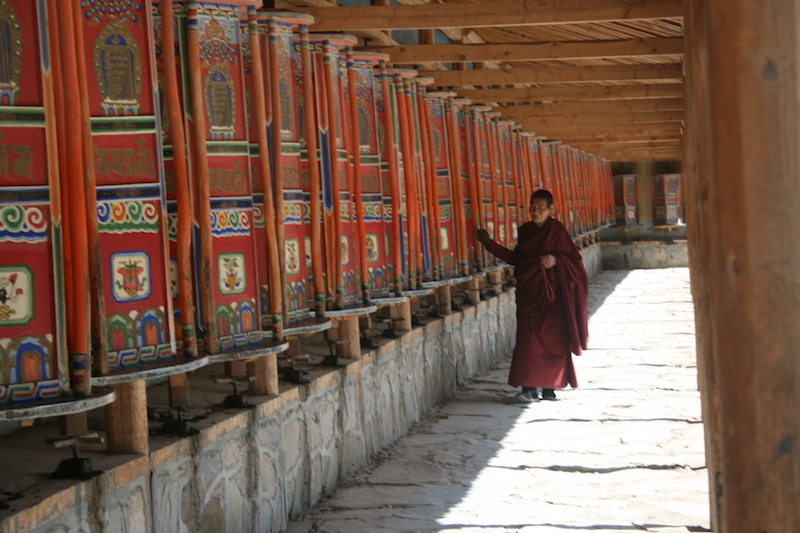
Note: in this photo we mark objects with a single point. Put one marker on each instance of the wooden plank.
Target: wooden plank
(510, 75)
(633, 144)
(562, 93)
(619, 157)
(585, 142)
(566, 108)
(606, 119)
(617, 129)
(455, 53)
(486, 14)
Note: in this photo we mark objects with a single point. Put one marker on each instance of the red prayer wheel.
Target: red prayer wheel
(443, 186)
(133, 320)
(212, 67)
(668, 199)
(365, 148)
(33, 234)
(282, 191)
(341, 244)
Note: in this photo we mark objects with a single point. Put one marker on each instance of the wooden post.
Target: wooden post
(126, 420)
(347, 330)
(179, 392)
(474, 291)
(402, 310)
(742, 146)
(443, 301)
(265, 371)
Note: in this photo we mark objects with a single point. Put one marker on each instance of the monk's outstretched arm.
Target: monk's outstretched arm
(497, 250)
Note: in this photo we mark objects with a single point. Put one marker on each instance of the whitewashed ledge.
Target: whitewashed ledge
(254, 469)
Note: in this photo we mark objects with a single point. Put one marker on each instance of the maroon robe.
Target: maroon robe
(548, 332)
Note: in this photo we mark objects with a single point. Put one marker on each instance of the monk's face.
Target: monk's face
(540, 211)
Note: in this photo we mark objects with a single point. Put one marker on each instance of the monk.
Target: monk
(552, 291)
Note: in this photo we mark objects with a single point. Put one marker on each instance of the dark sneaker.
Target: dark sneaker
(526, 397)
(549, 394)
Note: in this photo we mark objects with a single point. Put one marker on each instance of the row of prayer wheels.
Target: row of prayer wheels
(190, 182)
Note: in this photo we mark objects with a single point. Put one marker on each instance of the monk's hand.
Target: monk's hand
(548, 261)
(483, 236)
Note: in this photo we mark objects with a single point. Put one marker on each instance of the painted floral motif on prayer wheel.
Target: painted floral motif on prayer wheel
(137, 324)
(668, 199)
(626, 199)
(33, 352)
(208, 47)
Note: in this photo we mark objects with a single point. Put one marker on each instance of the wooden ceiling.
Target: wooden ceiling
(605, 76)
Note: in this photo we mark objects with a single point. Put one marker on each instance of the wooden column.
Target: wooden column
(743, 159)
(347, 330)
(265, 371)
(126, 420)
(443, 302)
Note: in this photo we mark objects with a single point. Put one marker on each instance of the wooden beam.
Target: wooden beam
(592, 129)
(510, 75)
(486, 13)
(598, 134)
(643, 156)
(630, 139)
(628, 147)
(455, 53)
(592, 119)
(559, 93)
(571, 108)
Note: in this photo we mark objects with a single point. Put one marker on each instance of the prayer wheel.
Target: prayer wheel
(626, 199)
(363, 85)
(459, 156)
(442, 188)
(340, 248)
(33, 297)
(280, 189)
(208, 47)
(389, 138)
(409, 171)
(668, 199)
(481, 167)
(133, 313)
(414, 91)
(509, 182)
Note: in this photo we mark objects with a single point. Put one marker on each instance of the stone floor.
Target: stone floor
(624, 452)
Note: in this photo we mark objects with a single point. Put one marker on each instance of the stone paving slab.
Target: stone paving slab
(624, 452)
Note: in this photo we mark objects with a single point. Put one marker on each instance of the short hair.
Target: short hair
(543, 194)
